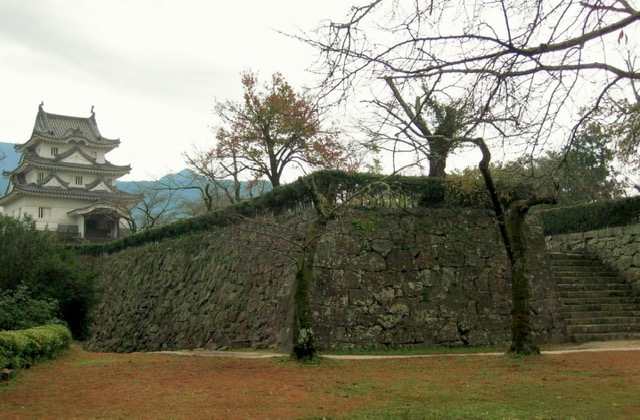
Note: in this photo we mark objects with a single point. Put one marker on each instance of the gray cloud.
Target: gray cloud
(57, 45)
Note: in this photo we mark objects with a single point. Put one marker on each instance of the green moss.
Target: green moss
(426, 291)
(365, 225)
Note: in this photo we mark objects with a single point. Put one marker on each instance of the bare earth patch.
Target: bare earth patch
(602, 384)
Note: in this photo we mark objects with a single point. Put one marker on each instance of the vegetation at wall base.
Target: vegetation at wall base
(19, 310)
(39, 272)
(24, 347)
(591, 216)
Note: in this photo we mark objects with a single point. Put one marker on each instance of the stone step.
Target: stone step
(570, 256)
(593, 272)
(597, 307)
(601, 300)
(580, 268)
(577, 264)
(573, 287)
(580, 315)
(591, 280)
(605, 320)
(615, 336)
(595, 294)
(603, 328)
(598, 304)
(558, 259)
(566, 283)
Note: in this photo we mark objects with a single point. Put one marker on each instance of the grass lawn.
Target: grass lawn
(88, 385)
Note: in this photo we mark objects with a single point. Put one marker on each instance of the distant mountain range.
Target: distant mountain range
(8, 163)
(184, 183)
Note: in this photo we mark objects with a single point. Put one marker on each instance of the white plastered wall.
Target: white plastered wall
(59, 209)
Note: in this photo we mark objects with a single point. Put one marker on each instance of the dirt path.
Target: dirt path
(594, 346)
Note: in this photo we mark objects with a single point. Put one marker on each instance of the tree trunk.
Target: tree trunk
(207, 197)
(513, 234)
(438, 151)
(236, 181)
(274, 173)
(274, 178)
(303, 338)
(522, 341)
(236, 189)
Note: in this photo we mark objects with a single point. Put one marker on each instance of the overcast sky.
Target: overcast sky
(151, 68)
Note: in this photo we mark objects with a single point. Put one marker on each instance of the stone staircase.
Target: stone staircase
(597, 303)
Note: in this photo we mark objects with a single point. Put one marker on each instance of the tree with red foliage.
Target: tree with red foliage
(272, 128)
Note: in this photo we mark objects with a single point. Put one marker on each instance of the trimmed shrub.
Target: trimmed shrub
(19, 310)
(591, 216)
(23, 347)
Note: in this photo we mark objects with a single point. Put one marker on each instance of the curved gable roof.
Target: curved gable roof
(53, 180)
(100, 185)
(64, 128)
(88, 160)
(101, 207)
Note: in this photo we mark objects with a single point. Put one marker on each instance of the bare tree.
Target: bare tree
(221, 170)
(511, 223)
(157, 206)
(428, 127)
(538, 69)
(624, 127)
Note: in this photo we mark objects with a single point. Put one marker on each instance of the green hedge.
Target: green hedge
(591, 216)
(338, 186)
(359, 189)
(22, 347)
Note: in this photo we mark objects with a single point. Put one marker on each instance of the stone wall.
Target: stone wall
(424, 278)
(383, 278)
(224, 288)
(618, 247)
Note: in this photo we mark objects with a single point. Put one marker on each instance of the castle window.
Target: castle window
(44, 212)
(78, 180)
(40, 176)
(54, 151)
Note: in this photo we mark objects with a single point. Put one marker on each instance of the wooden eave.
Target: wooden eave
(38, 138)
(33, 190)
(99, 168)
(99, 205)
